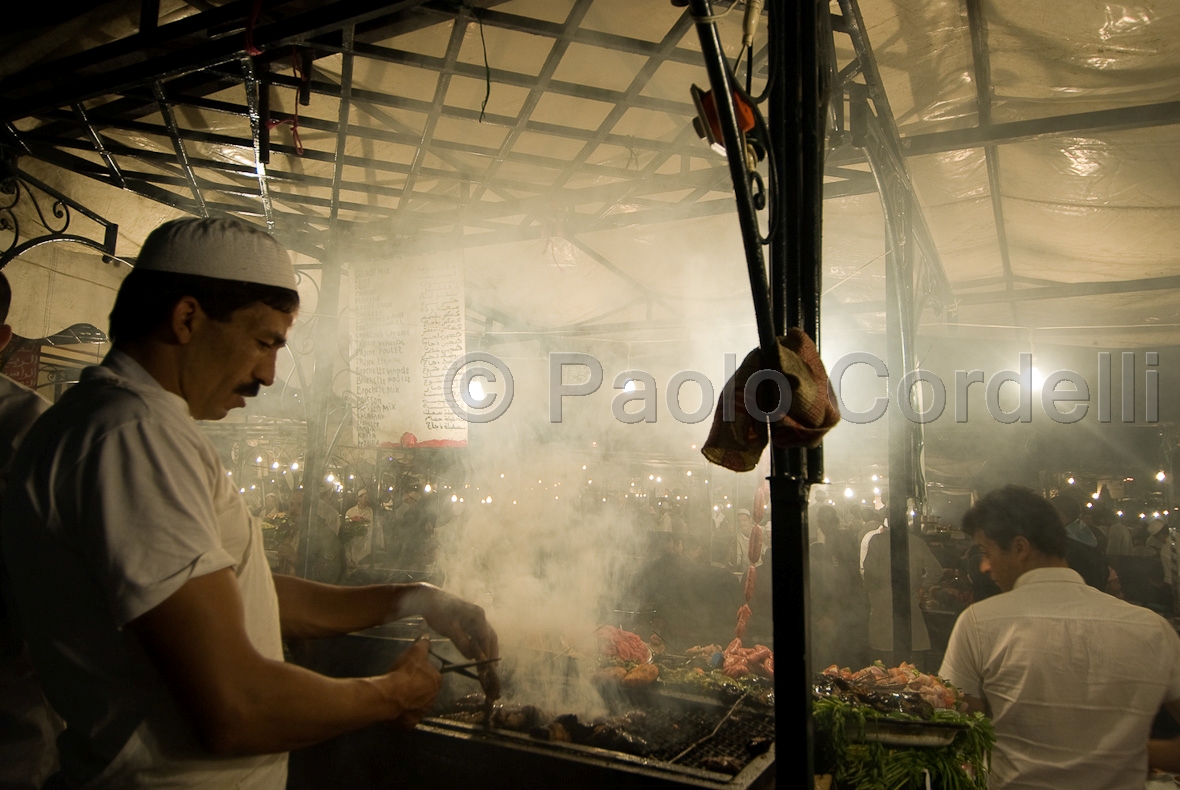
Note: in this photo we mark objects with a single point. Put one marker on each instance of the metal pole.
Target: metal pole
(719, 81)
(792, 255)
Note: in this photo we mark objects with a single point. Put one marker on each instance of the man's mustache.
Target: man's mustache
(249, 390)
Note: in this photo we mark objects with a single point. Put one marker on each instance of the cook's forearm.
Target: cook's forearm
(310, 609)
(279, 707)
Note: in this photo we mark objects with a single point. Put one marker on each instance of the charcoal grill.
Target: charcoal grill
(442, 753)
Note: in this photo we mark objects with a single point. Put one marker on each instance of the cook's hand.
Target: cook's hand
(462, 622)
(416, 683)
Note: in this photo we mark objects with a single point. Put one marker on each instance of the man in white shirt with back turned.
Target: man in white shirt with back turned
(1072, 677)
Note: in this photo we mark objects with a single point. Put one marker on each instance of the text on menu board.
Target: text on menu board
(407, 330)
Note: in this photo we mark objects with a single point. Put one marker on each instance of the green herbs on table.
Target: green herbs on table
(859, 765)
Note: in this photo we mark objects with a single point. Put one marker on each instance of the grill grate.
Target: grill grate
(702, 736)
(745, 735)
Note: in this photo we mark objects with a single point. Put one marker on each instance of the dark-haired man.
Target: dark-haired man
(150, 610)
(1072, 677)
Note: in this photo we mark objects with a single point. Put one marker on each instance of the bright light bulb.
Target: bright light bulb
(876, 478)
(454, 497)
(1070, 481)
(876, 490)
(275, 465)
(258, 460)
(476, 390)
(331, 478)
(629, 386)
(1095, 495)
(689, 473)
(294, 466)
(849, 493)
(1160, 476)
(426, 488)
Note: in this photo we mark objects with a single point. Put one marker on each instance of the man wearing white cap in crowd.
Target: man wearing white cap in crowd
(361, 513)
(149, 609)
(745, 525)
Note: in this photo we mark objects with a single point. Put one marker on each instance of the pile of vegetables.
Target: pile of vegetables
(841, 748)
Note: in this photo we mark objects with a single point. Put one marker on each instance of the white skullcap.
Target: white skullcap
(225, 249)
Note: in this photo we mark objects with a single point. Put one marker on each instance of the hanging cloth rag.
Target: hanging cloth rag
(738, 443)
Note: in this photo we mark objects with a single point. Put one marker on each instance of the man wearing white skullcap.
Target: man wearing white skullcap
(361, 516)
(148, 605)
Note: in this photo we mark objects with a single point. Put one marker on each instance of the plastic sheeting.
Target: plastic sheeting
(1083, 207)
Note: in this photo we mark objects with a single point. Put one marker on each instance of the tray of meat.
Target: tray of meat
(617, 643)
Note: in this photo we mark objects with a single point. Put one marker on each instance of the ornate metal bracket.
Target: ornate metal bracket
(15, 186)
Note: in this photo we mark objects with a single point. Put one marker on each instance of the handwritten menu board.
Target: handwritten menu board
(407, 330)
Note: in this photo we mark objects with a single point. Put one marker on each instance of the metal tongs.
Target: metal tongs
(462, 669)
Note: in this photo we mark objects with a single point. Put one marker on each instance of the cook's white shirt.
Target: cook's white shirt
(116, 500)
(1073, 677)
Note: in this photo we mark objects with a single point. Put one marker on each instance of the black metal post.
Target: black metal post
(790, 209)
(794, 258)
(719, 80)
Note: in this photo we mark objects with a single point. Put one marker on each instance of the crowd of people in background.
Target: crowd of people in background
(1130, 558)
(354, 532)
(691, 577)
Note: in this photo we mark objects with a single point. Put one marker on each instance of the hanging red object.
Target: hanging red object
(708, 125)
